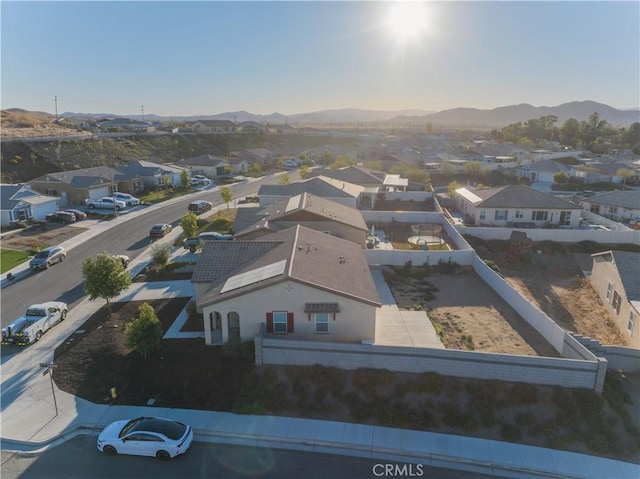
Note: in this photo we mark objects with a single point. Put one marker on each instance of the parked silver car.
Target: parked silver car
(48, 256)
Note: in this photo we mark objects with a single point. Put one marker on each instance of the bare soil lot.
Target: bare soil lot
(467, 312)
(48, 235)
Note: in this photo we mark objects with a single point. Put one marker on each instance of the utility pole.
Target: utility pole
(56, 100)
(49, 370)
(142, 110)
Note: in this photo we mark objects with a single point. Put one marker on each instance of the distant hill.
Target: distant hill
(506, 115)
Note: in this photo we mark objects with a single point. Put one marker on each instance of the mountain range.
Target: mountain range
(463, 117)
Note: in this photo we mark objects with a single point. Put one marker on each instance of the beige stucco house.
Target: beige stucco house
(616, 278)
(515, 205)
(300, 283)
(306, 210)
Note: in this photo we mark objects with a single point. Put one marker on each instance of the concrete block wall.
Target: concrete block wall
(465, 364)
(417, 257)
(618, 357)
(557, 235)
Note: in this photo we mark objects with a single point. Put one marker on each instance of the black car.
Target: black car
(61, 217)
(199, 207)
(159, 230)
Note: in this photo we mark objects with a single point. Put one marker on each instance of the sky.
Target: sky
(209, 57)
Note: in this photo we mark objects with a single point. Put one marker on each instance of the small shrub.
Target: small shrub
(160, 254)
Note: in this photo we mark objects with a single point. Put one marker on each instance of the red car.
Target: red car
(80, 215)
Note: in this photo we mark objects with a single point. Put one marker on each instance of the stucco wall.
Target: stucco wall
(355, 321)
(559, 235)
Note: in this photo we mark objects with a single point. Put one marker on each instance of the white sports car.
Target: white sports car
(146, 436)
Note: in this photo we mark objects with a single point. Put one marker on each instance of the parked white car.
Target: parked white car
(127, 198)
(146, 436)
(201, 180)
(36, 321)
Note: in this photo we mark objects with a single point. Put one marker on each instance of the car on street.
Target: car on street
(146, 436)
(200, 206)
(159, 230)
(36, 321)
(47, 257)
(80, 215)
(124, 258)
(61, 217)
(128, 199)
(202, 180)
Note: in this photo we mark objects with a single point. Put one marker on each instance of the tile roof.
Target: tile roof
(519, 196)
(252, 219)
(319, 260)
(623, 199)
(319, 186)
(83, 178)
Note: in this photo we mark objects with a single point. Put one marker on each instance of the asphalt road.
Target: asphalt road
(63, 281)
(79, 458)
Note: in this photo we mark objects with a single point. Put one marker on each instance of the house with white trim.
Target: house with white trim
(300, 283)
(622, 206)
(21, 203)
(515, 205)
(616, 277)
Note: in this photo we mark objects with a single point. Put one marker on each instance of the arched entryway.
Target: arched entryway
(215, 324)
(233, 321)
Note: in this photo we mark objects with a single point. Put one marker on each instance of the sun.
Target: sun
(407, 19)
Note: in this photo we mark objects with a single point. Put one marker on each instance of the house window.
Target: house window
(519, 214)
(565, 218)
(483, 214)
(51, 192)
(539, 215)
(609, 291)
(280, 322)
(500, 214)
(617, 299)
(322, 322)
(632, 321)
(136, 185)
(613, 210)
(595, 209)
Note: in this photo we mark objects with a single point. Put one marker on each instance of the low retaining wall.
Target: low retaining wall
(398, 257)
(465, 364)
(618, 357)
(558, 235)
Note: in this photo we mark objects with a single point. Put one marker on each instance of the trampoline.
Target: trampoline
(424, 241)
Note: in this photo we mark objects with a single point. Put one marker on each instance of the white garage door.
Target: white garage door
(97, 193)
(40, 211)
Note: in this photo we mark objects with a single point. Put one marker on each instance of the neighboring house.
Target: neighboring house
(356, 175)
(150, 173)
(305, 210)
(619, 206)
(616, 278)
(21, 203)
(214, 126)
(300, 283)
(339, 191)
(589, 174)
(123, 124)
(252, 127)
(543, 170)
(207, 165)
(514, 205)
(239, 165)
(395, 183)
(263, 156)
(75, 186)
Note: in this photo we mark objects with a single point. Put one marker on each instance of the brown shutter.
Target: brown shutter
(269, 322)
(289, 322)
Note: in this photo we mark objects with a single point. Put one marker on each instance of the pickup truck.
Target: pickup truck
(36, 321)
(105, 203)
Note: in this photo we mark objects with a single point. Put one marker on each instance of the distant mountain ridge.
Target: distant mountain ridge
(469, 117)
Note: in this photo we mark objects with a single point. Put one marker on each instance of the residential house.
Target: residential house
(213, 126)
(151, 174)
(123, 124)
(515, 205)
(616, 277)
(75, 186)
(339, 191)
(299, 283)
(305, 210)
(262, 156)
(356, 175)
(207, 165)
(21, 203)
(252, 127)
(543, 170)
(622, 206)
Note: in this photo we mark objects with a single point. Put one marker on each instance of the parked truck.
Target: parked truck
(105, 203)
(36, 321)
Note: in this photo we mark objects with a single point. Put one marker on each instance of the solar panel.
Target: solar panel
(254, 276)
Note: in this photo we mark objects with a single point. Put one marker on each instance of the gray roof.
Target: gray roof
(623, 199)
(10, 195)
(84, 177)
(203, 160)
(313, 258)
(252, 219)
(547, 165)
(314, 186)
(146, 168)
(352, 174)
(520, 196)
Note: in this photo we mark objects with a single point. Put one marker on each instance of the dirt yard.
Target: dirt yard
(52, 234)
(556, 285)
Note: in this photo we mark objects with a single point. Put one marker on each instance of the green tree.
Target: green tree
(302, 156)
(476, 170)
(526, 141)
(228, 170)
(166, 181)
(327, 157)
(373, 165)
(594, 128)
(255, 169)
(189, 224)
(625, 174)
(570, 132)
(227, 194)
(160, 254)
(144, 333)
(104, 277)
(284, 179)
(447, 169)
(561, 178)
(341, 161)
(452, 187)
(184, 178)
(304, 172)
